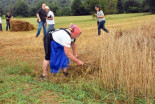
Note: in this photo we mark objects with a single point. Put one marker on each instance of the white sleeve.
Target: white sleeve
(66, 41)
(52, 14)
(102, 13)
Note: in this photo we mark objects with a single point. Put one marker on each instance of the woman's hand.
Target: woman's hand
(39, 20)
(95, 14)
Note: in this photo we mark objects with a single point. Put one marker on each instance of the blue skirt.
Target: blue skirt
(58, 58)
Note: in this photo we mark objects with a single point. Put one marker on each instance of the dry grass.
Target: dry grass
(127, 61)
(122, 60)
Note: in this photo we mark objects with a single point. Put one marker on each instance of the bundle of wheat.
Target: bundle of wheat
(19, 25)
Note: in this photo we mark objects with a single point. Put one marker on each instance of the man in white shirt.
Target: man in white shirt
(57, 49)
(50, 19)
(0, 23)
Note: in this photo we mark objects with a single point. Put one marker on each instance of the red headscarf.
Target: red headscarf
(75, 29)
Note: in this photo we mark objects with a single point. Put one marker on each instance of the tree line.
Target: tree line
(82, 7)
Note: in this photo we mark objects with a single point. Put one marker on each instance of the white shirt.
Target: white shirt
(49, 15)
(62, 38)
(100, 13)
(0, 20)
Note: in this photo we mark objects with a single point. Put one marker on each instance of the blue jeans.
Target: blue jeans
(50, 28)
(39, 28)
(101, 25)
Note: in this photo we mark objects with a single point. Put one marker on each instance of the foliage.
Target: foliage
(21, 9)
(77, 7)
(1, 10)
(66, 11)
(120, 6)
(132, 6)
(152, 6)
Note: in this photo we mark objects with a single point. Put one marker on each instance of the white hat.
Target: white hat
(47, 7)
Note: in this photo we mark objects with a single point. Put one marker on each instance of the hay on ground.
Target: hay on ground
(20, 25)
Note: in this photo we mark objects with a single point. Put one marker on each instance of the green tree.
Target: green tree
(55, 8)
(132, 6)
(120, 6)
(146, 6)
(66, 11)
(111, 6)
(152, 6)
(33, 11)
(21, 9)
(1, 11)
(77, 7)
(90, 5)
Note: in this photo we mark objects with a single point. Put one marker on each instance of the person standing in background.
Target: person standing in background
(0, 23)
(8, 18)
(41, 20)
(50, 19)
(101, 20)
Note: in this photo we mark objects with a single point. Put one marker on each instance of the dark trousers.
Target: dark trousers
(7, 25)
(1, 27)
(101, 25)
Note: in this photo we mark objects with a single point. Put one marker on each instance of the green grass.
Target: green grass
(18, 85)
(83, 21)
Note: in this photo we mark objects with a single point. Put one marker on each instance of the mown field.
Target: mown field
(120, 66)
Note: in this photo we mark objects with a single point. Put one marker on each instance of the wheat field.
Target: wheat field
(122, 60)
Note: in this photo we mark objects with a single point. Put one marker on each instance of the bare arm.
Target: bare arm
(49, 18)
(74, 49)
(70, 56)
(38, 17)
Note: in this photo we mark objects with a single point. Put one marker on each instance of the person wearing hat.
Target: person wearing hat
(50, 19)
(57, 49)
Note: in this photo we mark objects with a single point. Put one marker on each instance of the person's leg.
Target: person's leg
(39, 28)
(1, 27)
(104, 27)
(47, 48)
(48, 29)
(44, 28)
(51, 28)
(65, 72)
(99, 28)
(46, 64)
(7, 25)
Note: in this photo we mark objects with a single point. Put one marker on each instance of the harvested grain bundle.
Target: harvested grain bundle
(19, 25)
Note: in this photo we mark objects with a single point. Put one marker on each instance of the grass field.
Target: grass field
(120, 65)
